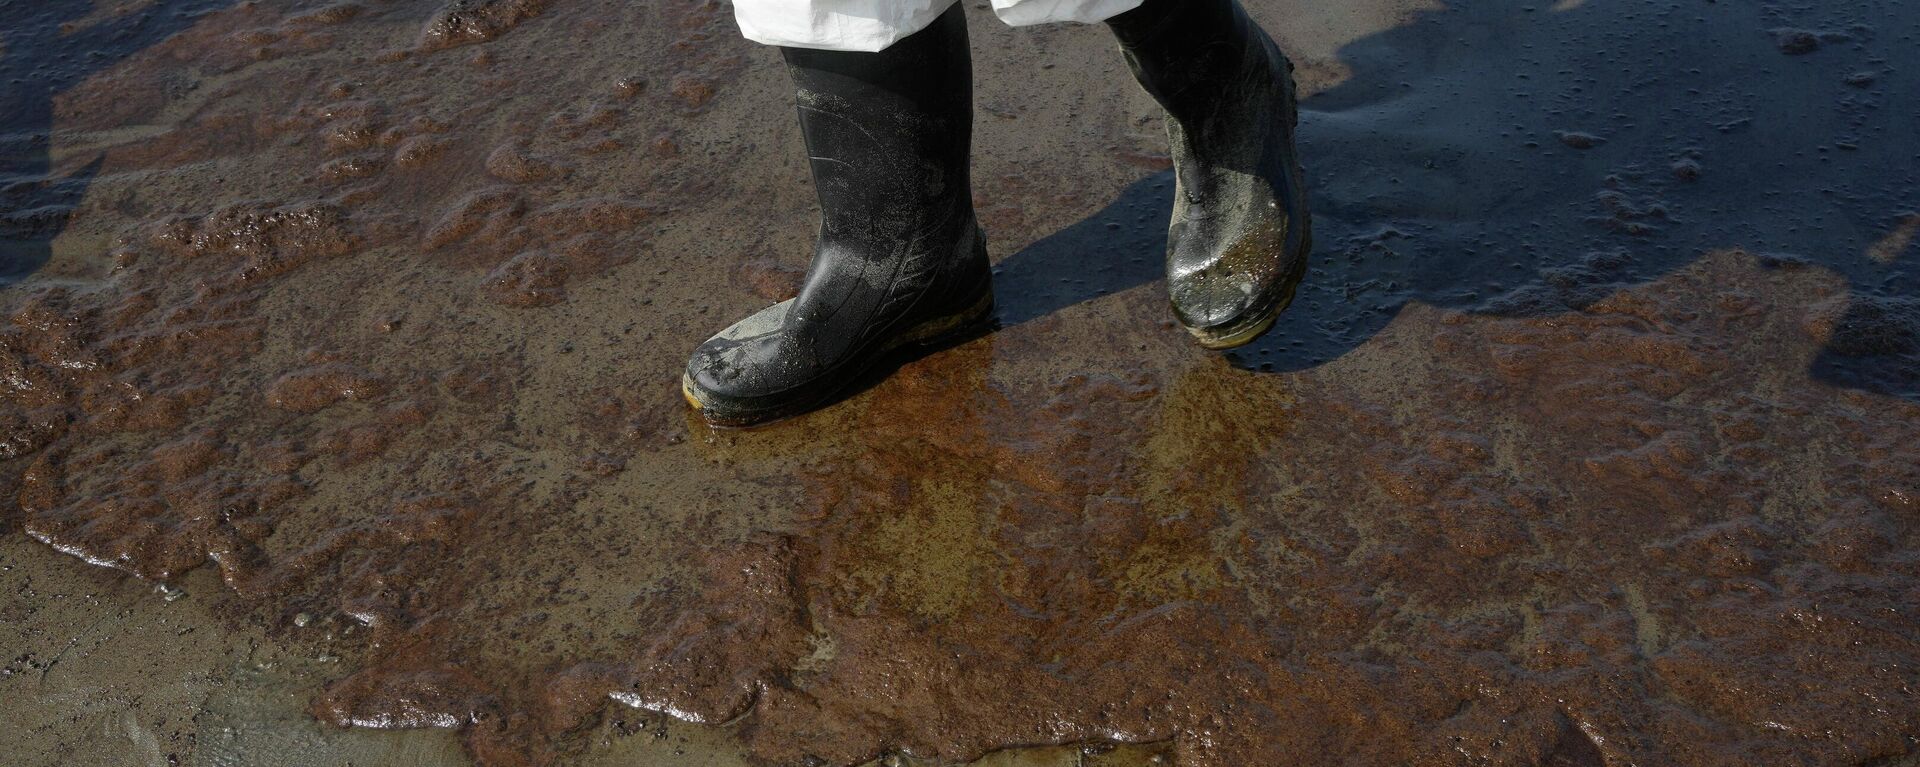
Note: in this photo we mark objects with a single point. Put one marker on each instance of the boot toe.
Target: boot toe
(742, 364)
(1221, 288)
(1235, 299)
(1206, 301)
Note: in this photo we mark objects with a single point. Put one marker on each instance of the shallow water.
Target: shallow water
(1590, 441)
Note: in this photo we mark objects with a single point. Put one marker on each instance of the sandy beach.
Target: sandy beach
(340, 421)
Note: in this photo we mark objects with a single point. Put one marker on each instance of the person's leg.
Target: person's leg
(1240, 236)
(899, 257)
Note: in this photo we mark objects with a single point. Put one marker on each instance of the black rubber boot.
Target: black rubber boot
(1238, 244)
(899, 258)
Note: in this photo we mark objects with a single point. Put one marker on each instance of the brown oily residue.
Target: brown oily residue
(377, 309)
(1556, 568)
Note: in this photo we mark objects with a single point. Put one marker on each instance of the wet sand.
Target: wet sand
(1591, 439)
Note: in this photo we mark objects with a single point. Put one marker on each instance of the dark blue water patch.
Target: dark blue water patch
(1499, 157)
(47, 47)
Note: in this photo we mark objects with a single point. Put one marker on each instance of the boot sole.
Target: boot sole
(933, 332)
(1252, 325)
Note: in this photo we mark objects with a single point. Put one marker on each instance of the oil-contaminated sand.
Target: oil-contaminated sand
(338, 417)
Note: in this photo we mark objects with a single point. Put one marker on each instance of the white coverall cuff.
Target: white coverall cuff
(1026, 13)
(866, 26)
(872, 25)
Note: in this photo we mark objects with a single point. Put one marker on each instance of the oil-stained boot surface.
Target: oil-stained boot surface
(899, 259)
(1240, 235)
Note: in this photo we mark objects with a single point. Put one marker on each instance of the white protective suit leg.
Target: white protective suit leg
(872, 25)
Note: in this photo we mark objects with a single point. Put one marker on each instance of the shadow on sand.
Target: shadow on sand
(1499, 157)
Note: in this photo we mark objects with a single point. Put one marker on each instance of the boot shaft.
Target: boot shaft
(1215, 73)
(1179, 48)
(888, 134)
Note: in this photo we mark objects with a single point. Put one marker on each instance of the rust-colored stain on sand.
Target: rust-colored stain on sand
(378, 308)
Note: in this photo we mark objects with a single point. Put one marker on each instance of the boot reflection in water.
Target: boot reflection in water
(886, 106)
